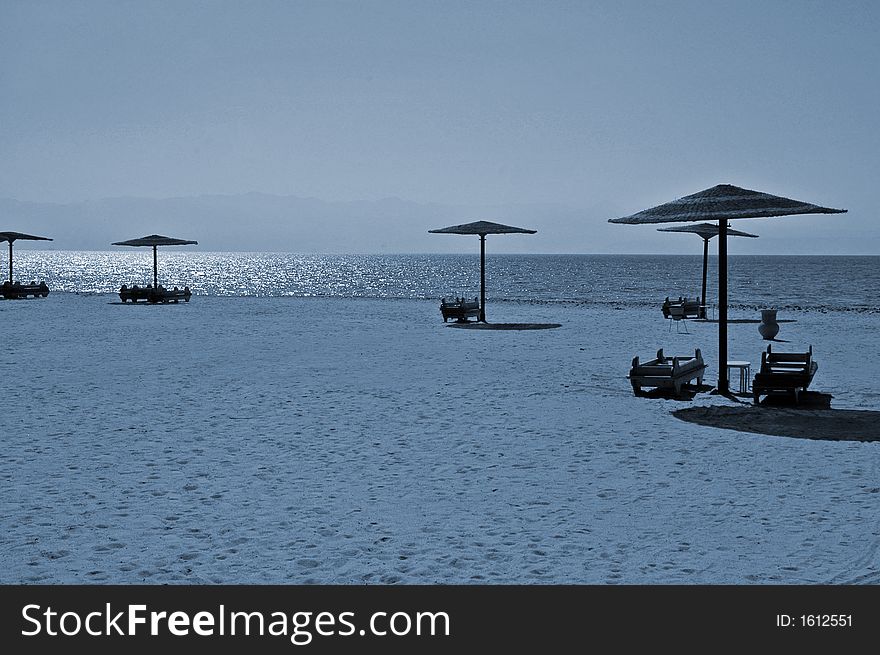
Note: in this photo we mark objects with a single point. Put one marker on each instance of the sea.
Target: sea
(800, 283)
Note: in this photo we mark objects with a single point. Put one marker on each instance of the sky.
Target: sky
(606, 108)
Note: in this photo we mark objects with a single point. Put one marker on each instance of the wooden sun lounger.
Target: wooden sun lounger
(667, 372)
(151, 295)
(784, 373)
(18, 290)
(459, 309)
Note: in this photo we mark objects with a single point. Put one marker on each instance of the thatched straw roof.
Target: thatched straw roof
(14, 236)
(705, 230)
(155, 240)
(482, 228)
(724, 202)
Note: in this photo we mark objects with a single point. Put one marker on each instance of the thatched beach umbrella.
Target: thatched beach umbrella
(482, 228)
(706, 231)
(155, 240)
(722, 203)
(14, 236)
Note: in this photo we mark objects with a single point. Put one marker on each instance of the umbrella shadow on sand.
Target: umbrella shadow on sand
(688, 392)
(505, 326)
(812, 418)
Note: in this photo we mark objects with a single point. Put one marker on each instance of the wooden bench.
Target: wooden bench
(667, 372)
(459, 309)
(17, 290)
(784, 373)
(151, 295)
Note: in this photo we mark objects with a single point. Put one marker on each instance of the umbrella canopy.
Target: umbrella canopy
(706, 231)
(155, 240)
(11, 237)
(722, 203)
(482, 228)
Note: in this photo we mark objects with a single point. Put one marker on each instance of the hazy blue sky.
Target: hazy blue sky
(606, 106)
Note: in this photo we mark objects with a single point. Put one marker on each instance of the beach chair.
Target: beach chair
(784, 373)
(667, 372)
(460, 309)
(692, 308)
(677, 310)
(677, 316)
(160, 294)
(17, 290)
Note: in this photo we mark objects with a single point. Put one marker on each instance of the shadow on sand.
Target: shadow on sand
(688, 392)
(146, 304)
(812, 418)
(756, 321)
(505, 326)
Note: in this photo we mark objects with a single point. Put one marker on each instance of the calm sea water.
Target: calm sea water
(815, 283)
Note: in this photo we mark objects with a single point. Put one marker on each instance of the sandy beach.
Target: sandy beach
(291, 440)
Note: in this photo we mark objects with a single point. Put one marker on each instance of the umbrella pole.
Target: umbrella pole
(155, 269)
(705, 269)
(723, 387)
(10, 262)
(482, 278)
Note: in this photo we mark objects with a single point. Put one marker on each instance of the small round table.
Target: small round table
(745, 373)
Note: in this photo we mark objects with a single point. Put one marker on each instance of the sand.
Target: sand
(284, 440)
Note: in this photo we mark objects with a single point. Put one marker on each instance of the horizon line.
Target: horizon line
(42, 248)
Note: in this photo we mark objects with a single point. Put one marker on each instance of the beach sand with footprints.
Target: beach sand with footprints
(307, 440)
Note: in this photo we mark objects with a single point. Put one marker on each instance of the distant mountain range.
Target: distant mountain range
(262, 222)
